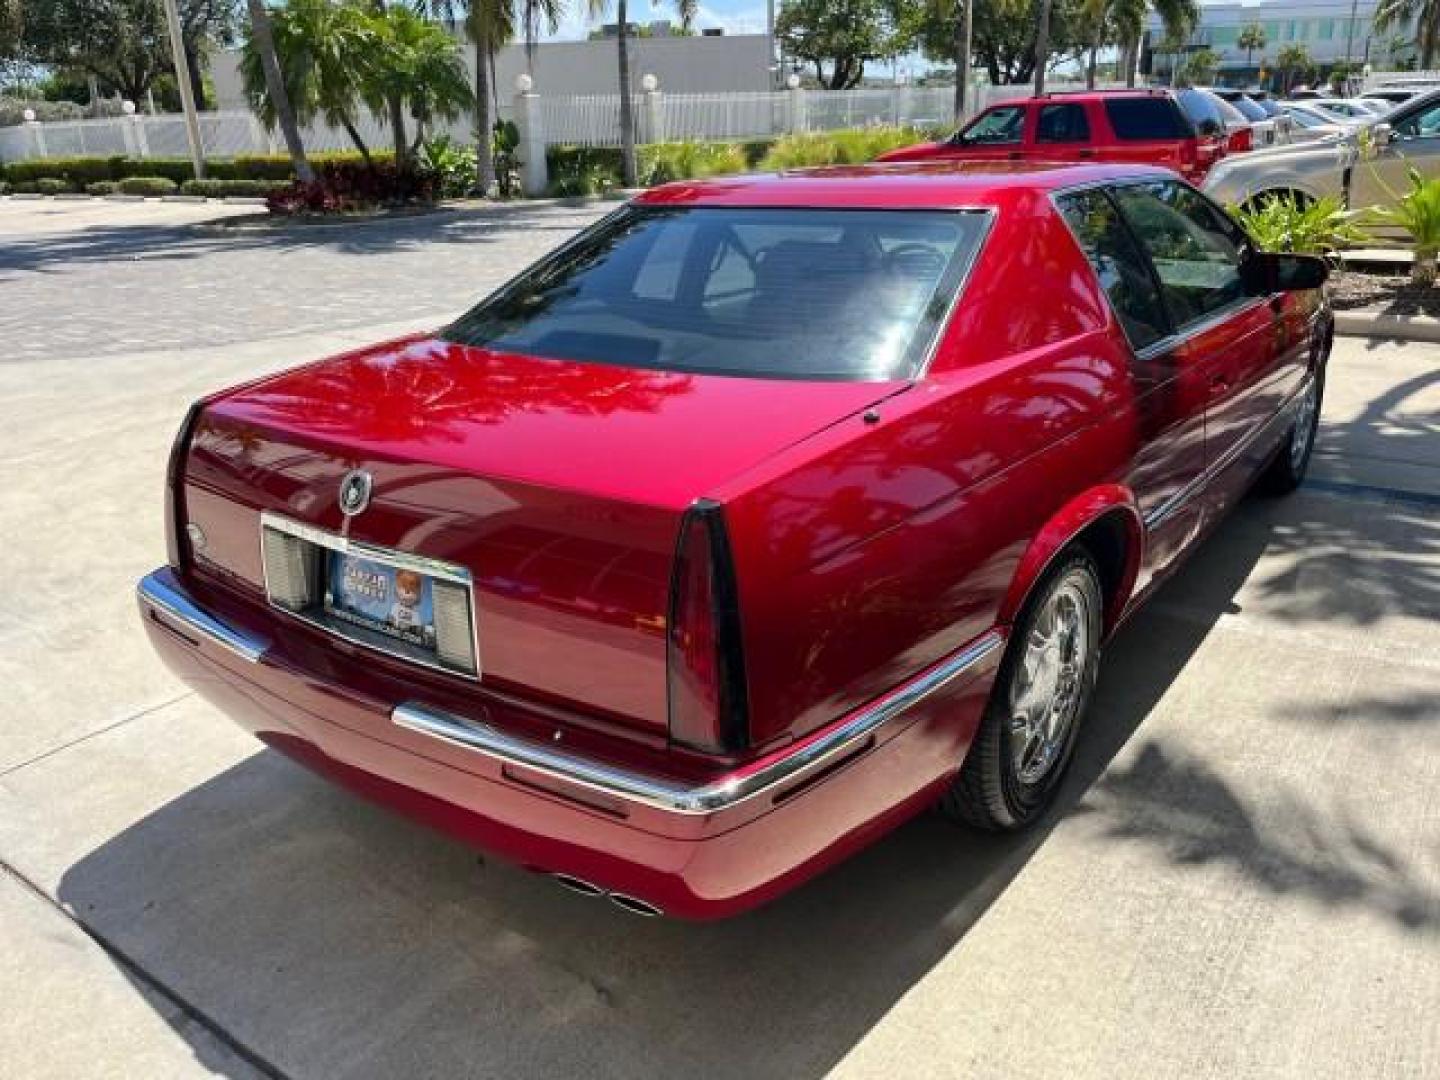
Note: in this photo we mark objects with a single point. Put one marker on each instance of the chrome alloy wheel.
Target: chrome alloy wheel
(1046, 692)
(1305, 425)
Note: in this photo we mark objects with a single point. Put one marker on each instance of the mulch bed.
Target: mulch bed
(1392, 293)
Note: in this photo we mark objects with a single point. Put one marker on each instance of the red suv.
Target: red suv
(1131, 126)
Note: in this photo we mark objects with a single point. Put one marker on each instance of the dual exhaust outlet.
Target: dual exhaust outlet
(586, 888)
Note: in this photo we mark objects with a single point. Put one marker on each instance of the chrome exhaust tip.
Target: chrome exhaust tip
(578, 885)
(631, 904)
(635, 906)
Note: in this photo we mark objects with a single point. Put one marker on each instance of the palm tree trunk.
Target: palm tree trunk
(963, 37)
(275, 89)
(484, 145)
(1042, 46)
(396, 108)
(1131, 48)
(355, 138)
(628, 166)
(1090, 67)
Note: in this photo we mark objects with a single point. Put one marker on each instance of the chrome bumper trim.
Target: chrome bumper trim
(160, 595)
(720, 794)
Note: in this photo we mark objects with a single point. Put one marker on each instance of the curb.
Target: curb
(1379, 324)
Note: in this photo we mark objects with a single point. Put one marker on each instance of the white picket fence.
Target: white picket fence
(585, 121)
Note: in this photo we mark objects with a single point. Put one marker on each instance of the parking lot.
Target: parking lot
(1242, 877)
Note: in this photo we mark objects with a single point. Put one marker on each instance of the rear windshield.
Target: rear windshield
(773, 293)
(1147, 118)
(1248, 108)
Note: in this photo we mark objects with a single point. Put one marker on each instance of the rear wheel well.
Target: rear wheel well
(1107, 539)
(1259, 199)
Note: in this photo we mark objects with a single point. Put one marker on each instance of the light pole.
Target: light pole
(187, 93)
(1350, 34)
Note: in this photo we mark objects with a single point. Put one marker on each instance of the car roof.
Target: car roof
(917, 185)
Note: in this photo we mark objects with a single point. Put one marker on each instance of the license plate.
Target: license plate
(386, 599)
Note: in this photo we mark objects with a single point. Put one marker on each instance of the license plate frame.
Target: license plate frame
(319, 613)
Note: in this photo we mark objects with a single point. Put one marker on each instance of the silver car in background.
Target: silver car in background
(1364, 165)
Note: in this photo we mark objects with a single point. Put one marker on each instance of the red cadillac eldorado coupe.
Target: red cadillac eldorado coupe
(760, 516)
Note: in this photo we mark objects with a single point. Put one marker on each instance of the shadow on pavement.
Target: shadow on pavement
(334, 939)
(47, 251)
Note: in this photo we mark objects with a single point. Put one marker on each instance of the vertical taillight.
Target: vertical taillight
(175, 544)
(709, 706)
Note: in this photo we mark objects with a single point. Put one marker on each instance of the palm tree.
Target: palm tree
(322, 47)
(264, 41)
(1251, 37)
(490, 24)
(686, 10)
(415, 62)
(1291, 61)
(1127, 17)
(1426, 16)
(1042, 46)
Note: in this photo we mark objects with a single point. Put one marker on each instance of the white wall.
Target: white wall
(684, 65)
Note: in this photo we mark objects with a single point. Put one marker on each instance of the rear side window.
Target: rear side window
(998, 126)
(1062, 124)
(1118, 263)
(1141, 118)
(765, 293)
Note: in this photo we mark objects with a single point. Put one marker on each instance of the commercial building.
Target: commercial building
(1330, 32)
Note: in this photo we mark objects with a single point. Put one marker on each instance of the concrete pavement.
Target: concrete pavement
(1243, 878)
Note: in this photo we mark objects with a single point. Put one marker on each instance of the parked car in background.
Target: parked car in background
(1269, 127)
(1311, 124)
(1374, 174)
(1344, 109)
(1304, 93)
(1393, 95)
(760, 516)
(1124, 126)
(1211, 113)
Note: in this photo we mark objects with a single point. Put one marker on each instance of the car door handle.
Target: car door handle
(1085, 153)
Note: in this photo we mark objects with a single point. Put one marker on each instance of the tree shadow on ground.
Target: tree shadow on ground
(334, 938)
(62, 250)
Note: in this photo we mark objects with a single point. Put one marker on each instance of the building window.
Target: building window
(1327, 29)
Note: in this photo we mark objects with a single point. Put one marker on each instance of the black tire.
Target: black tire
(990, 793)
(1287, 469)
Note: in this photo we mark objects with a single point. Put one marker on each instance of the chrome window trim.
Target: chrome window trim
(1156, 517)
(682, 799)
(400, 560)
(174, 605)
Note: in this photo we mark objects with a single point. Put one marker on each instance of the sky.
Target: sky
(733, 16)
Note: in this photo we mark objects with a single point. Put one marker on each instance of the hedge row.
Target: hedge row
(80, 172)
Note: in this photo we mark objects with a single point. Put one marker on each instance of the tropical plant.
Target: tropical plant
(849, 146)
(417, 63)
(1201, 65)
(264, 38)
(1123, 22)
(686, 9)
(1424, 14)
(1251, 37)
(1418, 213)
(661, 163)
(323, 49)
(504, 142)
(1293, 61)
(490, 24)
(453, 167)
(1285, 223)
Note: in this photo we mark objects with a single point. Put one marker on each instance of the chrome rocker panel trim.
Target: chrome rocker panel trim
(180, 614)
(718, 794)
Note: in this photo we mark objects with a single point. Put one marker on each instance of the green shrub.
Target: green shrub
(147, 185)
(79, 171)
(593, 180)
(53, 185)
(219, 189)
(1302, 227)
(849, 146)
(4, 187)
(101, 187)
(1418, 213)
(660, 163)
(573, 161)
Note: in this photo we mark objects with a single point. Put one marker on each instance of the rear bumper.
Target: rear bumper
(696, 850)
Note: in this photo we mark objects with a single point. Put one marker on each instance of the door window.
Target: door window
(1144, 119)
(995, 128)
(1118, 263)
(1421, 124)
(1062, 124)
(1196, 249)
